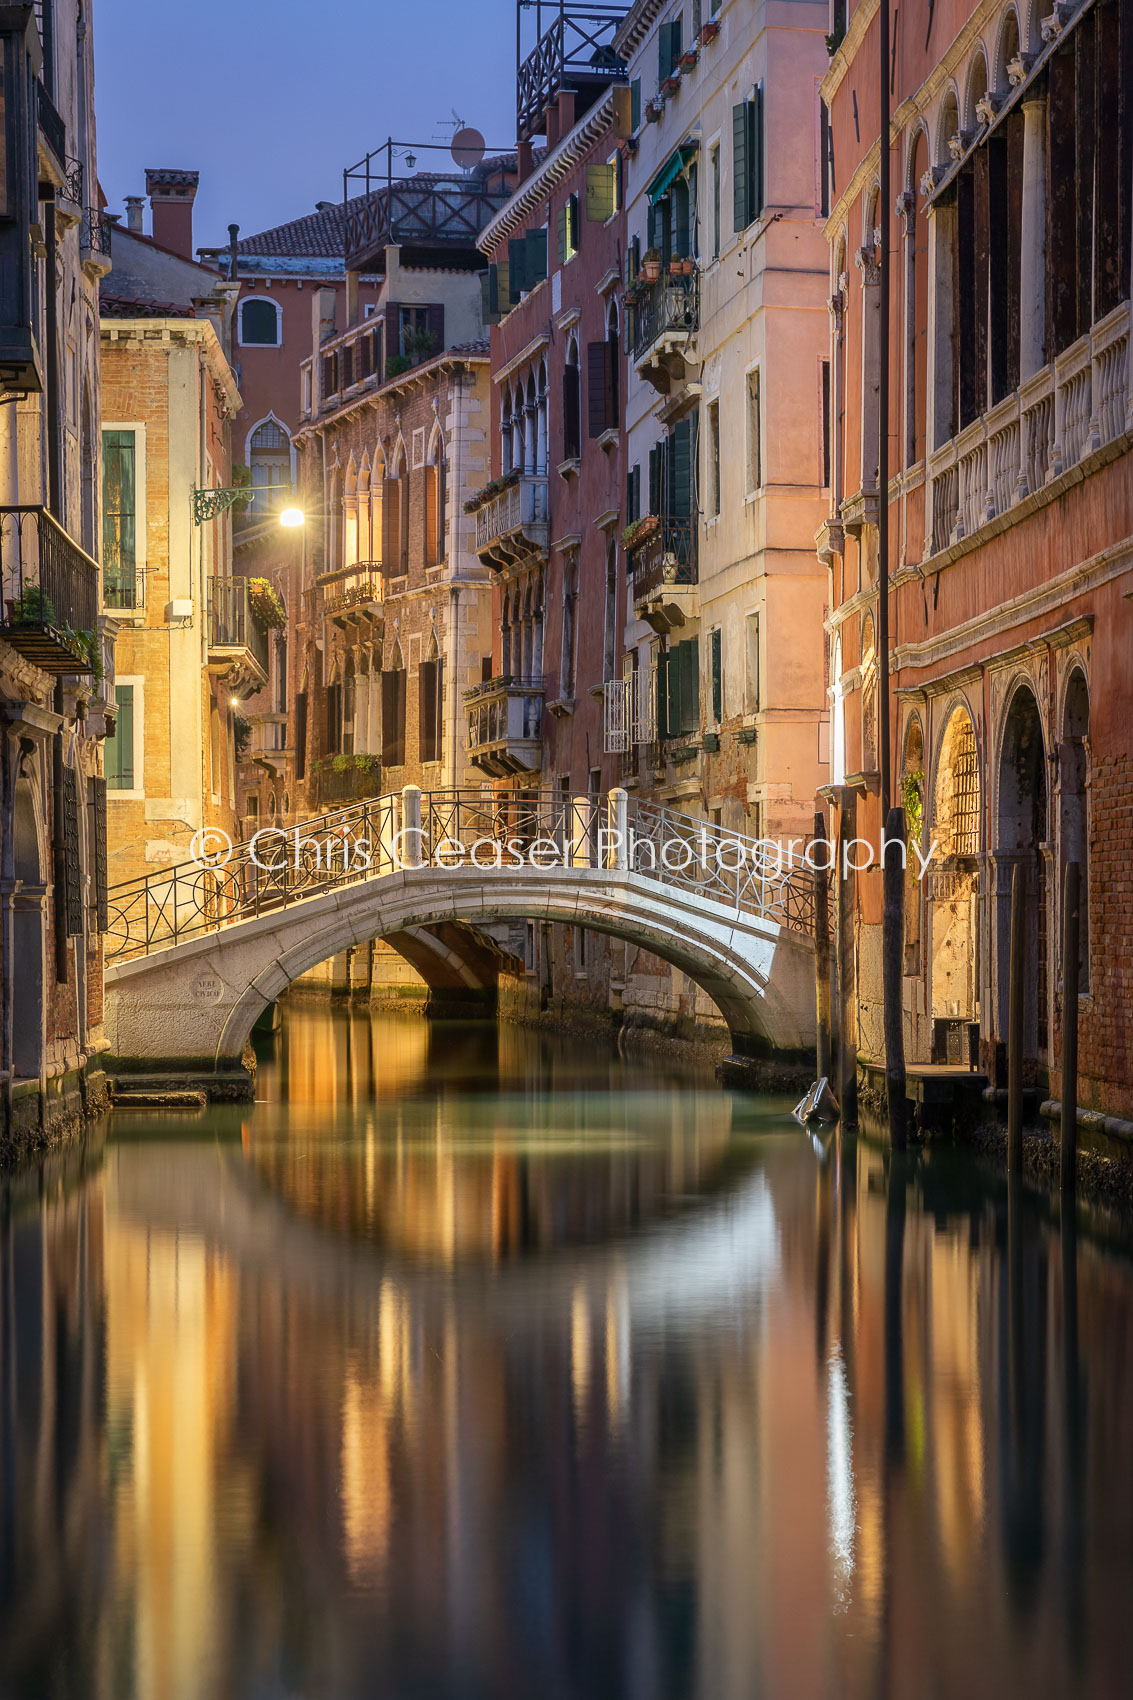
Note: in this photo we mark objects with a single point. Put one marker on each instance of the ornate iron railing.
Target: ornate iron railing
(366, 839)
(232, 623)
(49, 588)
(667, 556)
(670, 304)
(96, 235)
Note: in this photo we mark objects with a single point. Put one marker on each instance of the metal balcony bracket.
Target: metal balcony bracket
(210, 504)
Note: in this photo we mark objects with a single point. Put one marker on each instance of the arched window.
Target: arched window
(350, 516)
(541, 421)
(505, 639)
(572, 404)
(531, 446)
(436, 502)
(505, 432)
(365, 541)
(917, 304)
(349, 703)
(269, 453)
(954, 891)
(610, 647)
(261, 322)
(613, 364)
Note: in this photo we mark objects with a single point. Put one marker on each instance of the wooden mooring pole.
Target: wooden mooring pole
(822, 943)
(892, 948)
(1070, 932)
(1015, 1006)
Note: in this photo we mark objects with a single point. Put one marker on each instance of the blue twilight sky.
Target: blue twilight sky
(270, 99)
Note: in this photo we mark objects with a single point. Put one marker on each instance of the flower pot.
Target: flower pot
(708, 32)
(687, 267)
(671, 84)
(651, 270)
(688, 60)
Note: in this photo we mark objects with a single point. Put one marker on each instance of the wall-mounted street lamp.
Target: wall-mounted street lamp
(210, 504)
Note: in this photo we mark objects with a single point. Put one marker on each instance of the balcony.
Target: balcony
(663, 571)
(95, 241)
(346, 779)
(512, 525)
(505, 720)
(576, 55)
(666, 318)
(429, 215)
(352, 594)
(268, 746)
(50, 593)
(237, 642)
(1072, 408)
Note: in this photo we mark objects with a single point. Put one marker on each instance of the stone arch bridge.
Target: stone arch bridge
(196, 952)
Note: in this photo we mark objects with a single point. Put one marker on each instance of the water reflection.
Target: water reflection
(467, 1366)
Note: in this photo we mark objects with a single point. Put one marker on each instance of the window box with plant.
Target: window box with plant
(709, 32)
(636, 533)
(689, 58)
(488, 492)
(651, 265)
(266, 604)
(671, 84)
(654, 110)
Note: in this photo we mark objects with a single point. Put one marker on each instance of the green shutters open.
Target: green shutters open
(119, 519)
(118, 751)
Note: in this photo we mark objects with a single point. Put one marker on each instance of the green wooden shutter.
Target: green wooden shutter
(97, 806)
(689, 663)
(675, 41)
(655, 479)
(517, 266)
(119, 519)
(72, 895)
(118, 755)
(715, 648)
(563, 232)
(740, 171)
(536, 250)
(635, 104)
(755, 108)
(599, 396)
(679, 445)
(427, 710)
(663, 716)
(599, 193)
(664, 61)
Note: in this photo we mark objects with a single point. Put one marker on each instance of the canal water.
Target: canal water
(477, 1365)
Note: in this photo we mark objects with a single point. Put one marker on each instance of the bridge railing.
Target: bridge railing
(538, 829)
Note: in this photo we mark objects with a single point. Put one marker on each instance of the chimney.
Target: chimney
(171, 195)
(134, 205)
(233, 257)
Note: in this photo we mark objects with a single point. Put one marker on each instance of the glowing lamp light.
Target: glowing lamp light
(291, 517)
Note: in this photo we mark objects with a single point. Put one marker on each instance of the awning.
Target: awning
(669, 172)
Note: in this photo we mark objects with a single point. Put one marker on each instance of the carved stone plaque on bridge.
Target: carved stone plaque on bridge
(207, 988)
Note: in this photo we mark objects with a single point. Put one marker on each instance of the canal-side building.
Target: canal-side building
(393, 622)
(721, 710)
(548, 520)
(1011, 519)
(277, 273)
(192, 640)
(56, 648)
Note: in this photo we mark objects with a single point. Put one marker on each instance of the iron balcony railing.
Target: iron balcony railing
(123, 588)
(577, 50)
(96, 232)
(50, 591)
(447, 829)
(518, 513)
(669, 306)
(665, 557)
(231, 623)
(52, 125)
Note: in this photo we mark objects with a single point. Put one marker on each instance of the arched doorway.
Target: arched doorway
(1021, 834)
(954, 974)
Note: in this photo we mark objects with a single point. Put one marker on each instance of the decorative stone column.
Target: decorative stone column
(1032, 254)
(867, 263)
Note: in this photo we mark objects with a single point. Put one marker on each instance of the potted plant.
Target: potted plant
(32, 608)
(689, 58)
(676, 265)
(653, 111)
(651, 265)
(671, 84)
(709, 32)
(266, 604)
(688, 266)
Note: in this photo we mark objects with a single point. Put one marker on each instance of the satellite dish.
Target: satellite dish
(468, 148)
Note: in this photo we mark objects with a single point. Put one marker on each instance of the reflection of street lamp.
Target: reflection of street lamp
(291, 517)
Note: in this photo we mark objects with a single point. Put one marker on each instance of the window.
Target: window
(751, 664)
(754, 433)
(602, 358)
(635, 104)
(120, 752)
(633, 494)
(713, 468)
(393, 717)
(678, 689)
(269, 453)
(747, 160)
(610, 647)
(716, 673)
(572, 405)
(825, 159)
(300, 735)
(716, 201)
(668, 48)
(527, 263)
(436, 497)
(570, 606)
(824, 421)
(119, 504)
(601, 191)
(261, 322)
(430, 709)
(568, 227)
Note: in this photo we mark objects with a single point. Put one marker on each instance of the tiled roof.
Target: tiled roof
(126, 307)
(318, 235)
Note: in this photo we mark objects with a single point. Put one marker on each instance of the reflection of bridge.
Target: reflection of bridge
(195, 953)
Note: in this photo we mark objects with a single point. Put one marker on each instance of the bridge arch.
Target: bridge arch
(204, 996)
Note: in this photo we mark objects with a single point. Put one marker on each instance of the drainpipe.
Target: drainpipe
(54, 411)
